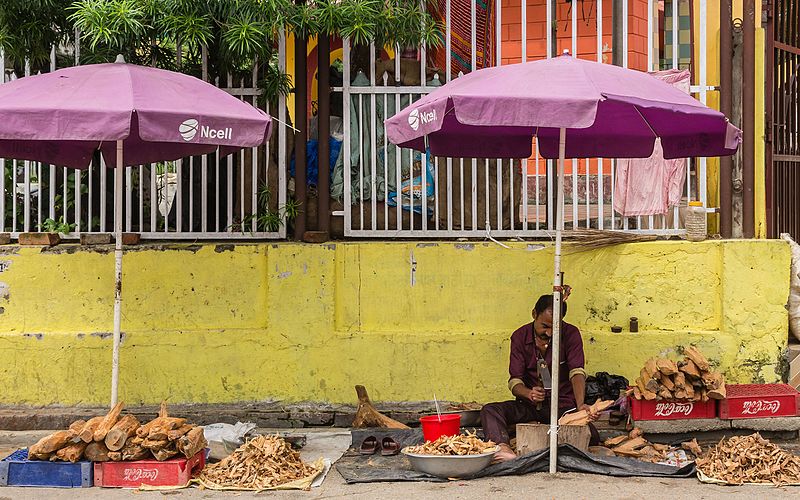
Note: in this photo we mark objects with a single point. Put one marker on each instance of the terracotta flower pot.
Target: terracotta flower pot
(47, 239)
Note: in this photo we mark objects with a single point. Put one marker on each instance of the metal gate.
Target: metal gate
(783, 115)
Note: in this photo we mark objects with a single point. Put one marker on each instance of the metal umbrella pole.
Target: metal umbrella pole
(119, 171)
(556, 353)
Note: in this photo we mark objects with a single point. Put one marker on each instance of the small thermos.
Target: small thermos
(634, 327)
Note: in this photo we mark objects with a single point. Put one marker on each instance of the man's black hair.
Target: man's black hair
(545, 302)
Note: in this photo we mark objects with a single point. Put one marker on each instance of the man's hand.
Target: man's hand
(592, 416)
(537, 394)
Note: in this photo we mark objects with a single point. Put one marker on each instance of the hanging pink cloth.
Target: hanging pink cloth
(650, 186)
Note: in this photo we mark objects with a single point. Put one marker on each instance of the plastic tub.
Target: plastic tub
(434, 427)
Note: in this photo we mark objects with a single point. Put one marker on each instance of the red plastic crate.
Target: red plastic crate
(759, 401)
(671, 410)
(173, 472)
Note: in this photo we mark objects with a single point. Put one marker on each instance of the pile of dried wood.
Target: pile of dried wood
(691, 379)
(635, 445)
(583, 417)
(118, 437)
(261, 463)
(750, 459)
(461, 444)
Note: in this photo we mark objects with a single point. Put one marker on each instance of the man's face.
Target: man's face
(543, 326)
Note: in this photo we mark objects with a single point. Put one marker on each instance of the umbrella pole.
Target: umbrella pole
(119, 171)
(556, 356)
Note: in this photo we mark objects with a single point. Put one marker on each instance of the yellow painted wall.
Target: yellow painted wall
(293, 322)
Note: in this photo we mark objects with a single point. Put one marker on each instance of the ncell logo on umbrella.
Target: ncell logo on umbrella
(415, 118)
(188, 130)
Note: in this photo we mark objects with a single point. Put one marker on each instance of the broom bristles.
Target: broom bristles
(589, 239)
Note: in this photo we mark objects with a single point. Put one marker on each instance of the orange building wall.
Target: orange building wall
(587, 30)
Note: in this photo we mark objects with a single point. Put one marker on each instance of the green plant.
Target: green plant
(265, 219)
(59, 226)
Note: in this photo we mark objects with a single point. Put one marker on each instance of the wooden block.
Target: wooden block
(96, 451)
(194, 441)
(122, 430)
(108, 422)
(72, 453)
(653, 386)
(697, 358)
(611, 442)
(87, 433)
(77, 426)
(635, 433)
(51, 443)
(688, 367)
(666, 381)
(667, 366)
(534, 436)
(679, 380)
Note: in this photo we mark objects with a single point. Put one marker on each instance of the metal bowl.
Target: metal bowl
(447, 466)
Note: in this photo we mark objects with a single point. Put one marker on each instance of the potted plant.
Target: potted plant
(51, 232)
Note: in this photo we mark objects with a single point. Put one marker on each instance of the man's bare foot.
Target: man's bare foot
(504, 454)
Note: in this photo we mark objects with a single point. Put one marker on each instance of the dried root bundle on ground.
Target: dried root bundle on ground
(462, 444)
(261, 463)
(691, 379)
(116, 437)
(634, 445)
(750, 459)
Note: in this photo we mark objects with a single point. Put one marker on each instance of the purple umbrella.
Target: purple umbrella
(133, 115)
(575, 109)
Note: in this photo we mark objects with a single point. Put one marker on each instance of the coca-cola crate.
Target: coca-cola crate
(172, 472)
(759, 401)
(671, 409)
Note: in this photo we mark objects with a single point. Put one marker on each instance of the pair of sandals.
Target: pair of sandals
(388, 446)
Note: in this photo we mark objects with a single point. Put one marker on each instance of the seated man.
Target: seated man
(530, 344)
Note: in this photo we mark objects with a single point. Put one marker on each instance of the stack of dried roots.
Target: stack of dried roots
(468, 444)
(261, 463)
(750, 459)
(119, 437)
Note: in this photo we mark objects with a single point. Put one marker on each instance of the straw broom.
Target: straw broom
(593, 239)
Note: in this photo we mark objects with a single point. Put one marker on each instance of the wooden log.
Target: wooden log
(688, 367)
(679, 380)
(174, 434)
(713, 380)
(164, 453)
(666, 381)
(144, 430)
(680, 394)
(49, 444)
(87, 432)
(651, 366)
(667, 366)
(637, 394)
(635, 433)
(108, 422)
(115, 456)
(134, 452)
(155, 444)
(38, 456)
(630, 445)
(665, 394)
(704, 396)
(160, 430)
(653, 386)
(96, 451)
(719, 393)
(535, 436)
(162, 412)
(72, 452)
(368, 416)
(77, 426)
(192, 442)
(689, 391)
(122, 430)
(697, 358)
(612, 442)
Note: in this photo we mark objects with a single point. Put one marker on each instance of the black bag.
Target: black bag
(604, 386)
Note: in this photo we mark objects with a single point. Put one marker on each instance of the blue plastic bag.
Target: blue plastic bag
(411, 190)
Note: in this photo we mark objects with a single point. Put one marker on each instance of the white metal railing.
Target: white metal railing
(465, 197)
(204, 197)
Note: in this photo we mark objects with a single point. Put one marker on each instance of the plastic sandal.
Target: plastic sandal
(369, 446)
(389, 447)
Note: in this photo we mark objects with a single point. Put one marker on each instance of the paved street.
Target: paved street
(567, 486)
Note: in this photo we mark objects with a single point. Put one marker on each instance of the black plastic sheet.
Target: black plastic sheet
(357, 468)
